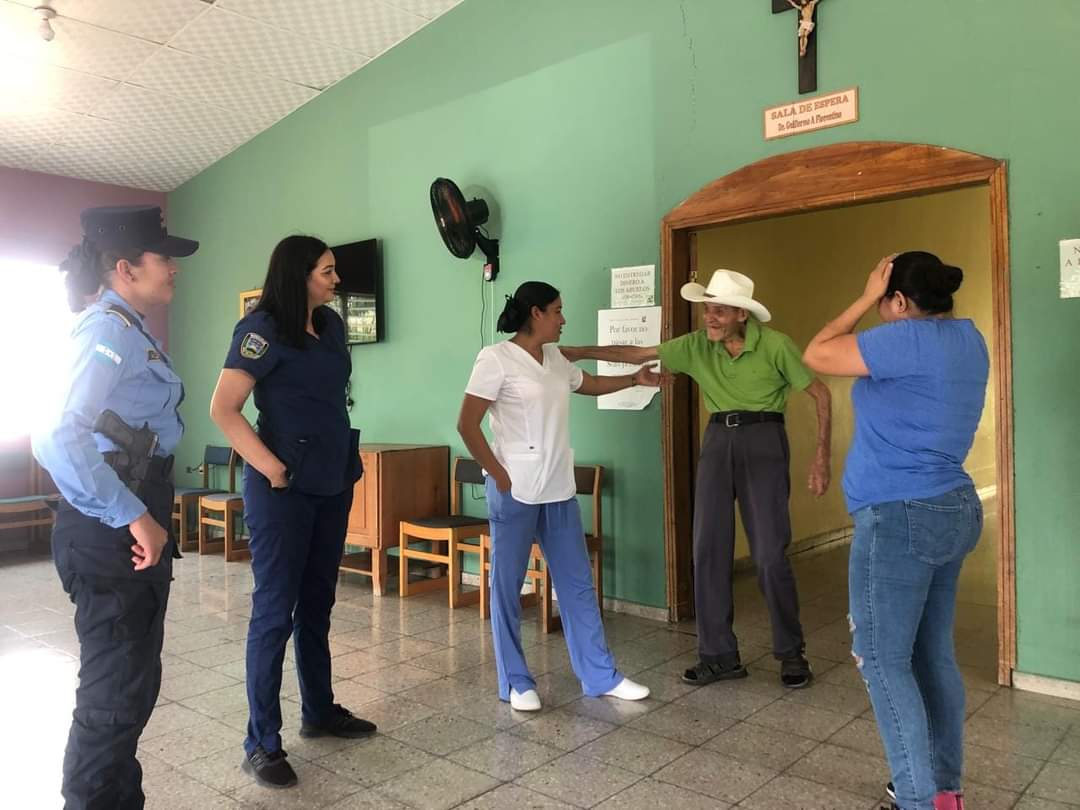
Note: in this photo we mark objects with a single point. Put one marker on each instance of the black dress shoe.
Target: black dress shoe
(703, 673)
(269, 770)
(795, 672)
(341, 724)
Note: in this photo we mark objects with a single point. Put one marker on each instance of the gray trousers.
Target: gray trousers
(748, 464)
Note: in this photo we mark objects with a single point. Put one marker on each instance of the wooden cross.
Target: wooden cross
(807, 34)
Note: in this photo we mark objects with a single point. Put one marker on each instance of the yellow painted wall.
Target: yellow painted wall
(807, 268)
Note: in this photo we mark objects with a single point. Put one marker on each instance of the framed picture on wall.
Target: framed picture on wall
(248, 300)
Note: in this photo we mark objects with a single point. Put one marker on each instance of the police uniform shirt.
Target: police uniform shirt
(300, 396)
(116, 365)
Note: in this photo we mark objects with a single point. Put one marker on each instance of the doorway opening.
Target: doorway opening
(807, 228)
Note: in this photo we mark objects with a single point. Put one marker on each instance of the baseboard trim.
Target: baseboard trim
(656, 614)
(1040, 684)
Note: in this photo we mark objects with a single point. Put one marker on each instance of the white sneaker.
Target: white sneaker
(527, 702)
(628, 690)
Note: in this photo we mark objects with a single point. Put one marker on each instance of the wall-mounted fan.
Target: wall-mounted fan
(459, 224)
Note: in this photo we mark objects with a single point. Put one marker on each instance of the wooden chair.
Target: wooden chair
(221, 510)
(589, 480)
(186, 499)
(535, 574)
(449, 536)
(29, 511)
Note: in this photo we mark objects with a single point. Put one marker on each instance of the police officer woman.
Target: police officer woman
(110, 545)
(301, 463)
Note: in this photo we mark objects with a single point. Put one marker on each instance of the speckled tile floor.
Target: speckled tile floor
(426, 676)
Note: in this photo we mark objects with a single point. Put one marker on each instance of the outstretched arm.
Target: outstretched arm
(632, 355)
(594, 386)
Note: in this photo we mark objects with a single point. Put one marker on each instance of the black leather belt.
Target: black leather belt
(734, 419)
(159, 468)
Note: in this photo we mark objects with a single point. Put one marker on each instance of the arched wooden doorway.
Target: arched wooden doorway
(825, 177)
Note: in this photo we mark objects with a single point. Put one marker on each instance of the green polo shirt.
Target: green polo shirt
(759, 379)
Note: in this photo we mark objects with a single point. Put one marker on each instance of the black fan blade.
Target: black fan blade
(451, 216)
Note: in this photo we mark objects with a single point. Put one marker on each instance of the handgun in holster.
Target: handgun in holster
(135, 461)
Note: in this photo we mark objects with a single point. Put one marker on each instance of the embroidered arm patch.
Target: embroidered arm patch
(253, 346)
(107, 354)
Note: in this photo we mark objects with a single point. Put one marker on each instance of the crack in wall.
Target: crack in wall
(693, 66)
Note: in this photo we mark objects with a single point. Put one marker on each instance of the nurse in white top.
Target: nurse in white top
(524, 384)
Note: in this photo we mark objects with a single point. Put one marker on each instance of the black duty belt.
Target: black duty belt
(159, 468)
(734, 419)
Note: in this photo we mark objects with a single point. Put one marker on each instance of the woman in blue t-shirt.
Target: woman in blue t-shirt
(918, 400)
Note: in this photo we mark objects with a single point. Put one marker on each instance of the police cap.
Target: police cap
(139, 227)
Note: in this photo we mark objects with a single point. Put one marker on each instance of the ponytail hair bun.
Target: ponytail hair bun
(926, 280)
(82, 274)
(512, 317)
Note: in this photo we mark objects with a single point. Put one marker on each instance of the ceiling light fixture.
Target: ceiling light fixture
(45, 30)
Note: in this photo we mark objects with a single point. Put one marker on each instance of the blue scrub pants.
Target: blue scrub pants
(296, 544)
(557, 527)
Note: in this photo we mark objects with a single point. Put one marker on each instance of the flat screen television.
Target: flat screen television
(359, 299)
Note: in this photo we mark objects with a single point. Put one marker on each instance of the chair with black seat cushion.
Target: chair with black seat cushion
(221, 510)
(186, 499)
(445, 538)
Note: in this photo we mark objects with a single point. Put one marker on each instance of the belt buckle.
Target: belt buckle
(728, 420)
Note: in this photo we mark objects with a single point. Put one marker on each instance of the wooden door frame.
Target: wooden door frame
(824, 177)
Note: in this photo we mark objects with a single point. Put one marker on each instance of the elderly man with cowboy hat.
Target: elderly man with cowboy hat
(745, 371)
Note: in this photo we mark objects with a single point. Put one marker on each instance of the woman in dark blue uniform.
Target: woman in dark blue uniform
(302, 460)
(110, 544)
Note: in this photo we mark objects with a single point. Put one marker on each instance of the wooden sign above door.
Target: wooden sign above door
(810, 114)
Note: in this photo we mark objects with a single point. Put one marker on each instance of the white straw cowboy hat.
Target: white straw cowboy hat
(729, 288)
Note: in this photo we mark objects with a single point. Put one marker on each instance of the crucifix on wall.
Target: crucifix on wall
(807, 39)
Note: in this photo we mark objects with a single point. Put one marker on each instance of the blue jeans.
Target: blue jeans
(904, 565)
(557, 527)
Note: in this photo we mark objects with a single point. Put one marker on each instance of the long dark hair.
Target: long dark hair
(926, 280)
(87, 268)
(284, 293)
(517, 314)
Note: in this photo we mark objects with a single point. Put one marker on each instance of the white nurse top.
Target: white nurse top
(529, 415)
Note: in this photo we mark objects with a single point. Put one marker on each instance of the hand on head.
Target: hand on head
(878, 282)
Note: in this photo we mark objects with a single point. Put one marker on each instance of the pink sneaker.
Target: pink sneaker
(945, 800)
(949, 801)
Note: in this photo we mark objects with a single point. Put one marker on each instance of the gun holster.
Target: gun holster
(158, 469)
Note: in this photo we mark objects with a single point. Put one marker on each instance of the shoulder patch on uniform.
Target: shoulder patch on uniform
(253, 346)
(107, 354)
(120, 316)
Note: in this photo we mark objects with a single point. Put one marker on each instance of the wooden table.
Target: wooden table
(400, 481)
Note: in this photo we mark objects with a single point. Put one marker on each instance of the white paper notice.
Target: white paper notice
(637, 326)
(633, 286)
(1070, 268)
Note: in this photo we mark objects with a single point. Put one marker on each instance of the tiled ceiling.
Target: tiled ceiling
(148, 93)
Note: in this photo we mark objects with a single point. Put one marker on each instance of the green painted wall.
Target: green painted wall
(587, 122)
